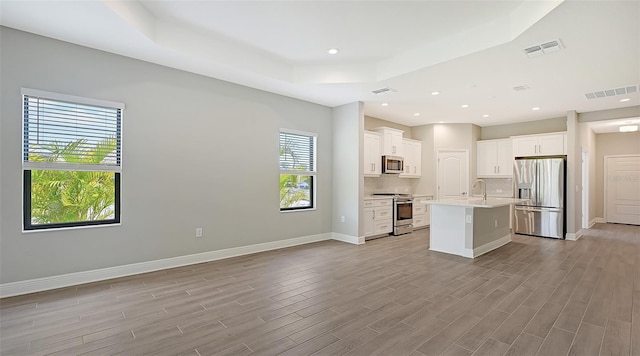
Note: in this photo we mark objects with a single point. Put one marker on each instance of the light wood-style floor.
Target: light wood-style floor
(391, 296)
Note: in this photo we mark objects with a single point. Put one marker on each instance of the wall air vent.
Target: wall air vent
(540, 49)
(612, 92)
(384, 91)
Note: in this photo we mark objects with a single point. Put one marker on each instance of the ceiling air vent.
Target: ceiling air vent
(384, 91)
(612, 92)
(521, 87)
(540, 49)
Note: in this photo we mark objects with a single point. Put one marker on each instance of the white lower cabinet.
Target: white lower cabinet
(378, 217)
(421, 211)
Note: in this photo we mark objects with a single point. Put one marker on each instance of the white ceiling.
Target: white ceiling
(469, 51)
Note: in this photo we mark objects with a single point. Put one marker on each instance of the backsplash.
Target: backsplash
(387, 183)
(497, 187)
(391, 183)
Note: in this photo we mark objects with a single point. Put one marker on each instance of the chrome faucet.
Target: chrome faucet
(484, 188)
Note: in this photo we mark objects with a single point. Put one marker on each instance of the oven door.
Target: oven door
(404, 212)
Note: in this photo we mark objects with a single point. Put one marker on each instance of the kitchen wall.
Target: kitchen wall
(611, 144)
(197, 152)
(371, 123)
(441, 137)
(523, 128)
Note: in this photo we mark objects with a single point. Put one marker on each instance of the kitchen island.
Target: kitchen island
(470, 227)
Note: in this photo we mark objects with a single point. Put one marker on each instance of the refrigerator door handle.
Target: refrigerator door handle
(537, 209)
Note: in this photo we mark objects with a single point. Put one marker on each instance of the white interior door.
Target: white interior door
(453, 174)
(622, 189)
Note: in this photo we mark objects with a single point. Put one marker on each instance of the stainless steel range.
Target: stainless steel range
(402, 213)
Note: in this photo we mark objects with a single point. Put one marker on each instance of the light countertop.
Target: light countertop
(477, 202)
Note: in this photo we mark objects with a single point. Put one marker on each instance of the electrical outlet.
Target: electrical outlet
(198, 232)
(468, 219)
(342, 218)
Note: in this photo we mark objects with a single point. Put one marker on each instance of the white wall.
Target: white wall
(348, 128)
(588, 144)
(197, 152)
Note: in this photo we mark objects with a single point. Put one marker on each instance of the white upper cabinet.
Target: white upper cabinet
(391, 141)
(539, 145)
(372, 154)
(412, 158)
(495, 158)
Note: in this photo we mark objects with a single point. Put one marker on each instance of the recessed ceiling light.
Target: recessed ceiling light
(464, 106)
(485, 115)
(625, 99)
(332, 51)
(435, 93)
(628, 128)
(441, 122)
(385, 104)
(535, 108)
(416, 114)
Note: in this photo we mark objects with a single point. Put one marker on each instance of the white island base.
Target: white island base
(469, 228)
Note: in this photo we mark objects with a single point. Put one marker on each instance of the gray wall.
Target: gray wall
(371, 123)
(523, 128)
(197, 152)
(612, 144)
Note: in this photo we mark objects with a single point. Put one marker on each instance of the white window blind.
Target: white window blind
(62, 132)
(297, 152)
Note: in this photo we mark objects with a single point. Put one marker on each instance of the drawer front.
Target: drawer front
(383, 213)
(383, 227)
(378, 202)
(419, 209)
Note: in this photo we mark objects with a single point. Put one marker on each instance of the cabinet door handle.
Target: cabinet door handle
(374, 166)
(374, 214)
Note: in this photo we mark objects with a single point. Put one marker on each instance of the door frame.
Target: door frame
(443, 150)
(585, 189)
(605, 182)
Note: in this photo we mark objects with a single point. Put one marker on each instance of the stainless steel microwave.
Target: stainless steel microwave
(392, 164)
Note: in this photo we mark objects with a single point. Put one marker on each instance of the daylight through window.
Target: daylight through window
(71, 160)
(297, 170)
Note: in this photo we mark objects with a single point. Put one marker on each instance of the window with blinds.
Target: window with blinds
(297, 170)
(71, 160)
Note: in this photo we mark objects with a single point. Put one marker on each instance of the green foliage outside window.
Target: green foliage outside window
(59, 196)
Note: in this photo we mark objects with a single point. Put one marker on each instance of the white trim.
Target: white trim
(597, 221)
(606, 180)
(573, 237)
(481, 250)
(348, 238)
(71, 98)
(71, 279)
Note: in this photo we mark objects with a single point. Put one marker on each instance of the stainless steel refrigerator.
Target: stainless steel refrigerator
(542, 182)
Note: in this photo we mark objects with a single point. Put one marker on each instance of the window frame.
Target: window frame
(29, 166)
(312, 174)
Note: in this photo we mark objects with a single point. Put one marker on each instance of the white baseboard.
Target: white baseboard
(481, 250)
(573, 237)
(348, 238)
(596, 221)
(66, 280)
